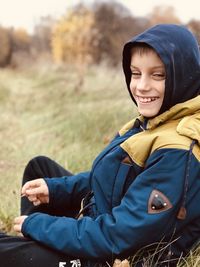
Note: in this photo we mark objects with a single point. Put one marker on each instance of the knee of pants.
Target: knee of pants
(34, 166)
(38, 159)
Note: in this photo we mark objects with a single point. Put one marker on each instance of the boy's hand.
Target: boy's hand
(18, 221)
(36, 191)
(119, 263)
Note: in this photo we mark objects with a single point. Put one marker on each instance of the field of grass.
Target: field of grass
(44, 112)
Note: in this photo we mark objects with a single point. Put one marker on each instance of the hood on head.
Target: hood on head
(179, 51)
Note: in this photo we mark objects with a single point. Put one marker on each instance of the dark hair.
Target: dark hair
(141, 48)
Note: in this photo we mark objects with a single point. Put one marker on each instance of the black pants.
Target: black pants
(22, 252)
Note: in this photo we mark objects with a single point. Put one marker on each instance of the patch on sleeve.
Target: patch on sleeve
(158, 202)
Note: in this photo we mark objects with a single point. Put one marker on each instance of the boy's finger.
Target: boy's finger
(34, 191)
(37, 202)
(24, 188)
(32, 198)
(17, 228)
(17, 220)
(119, 263)
(31, 184)
(125, 263)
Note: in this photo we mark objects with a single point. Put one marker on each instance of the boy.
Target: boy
(143, 189)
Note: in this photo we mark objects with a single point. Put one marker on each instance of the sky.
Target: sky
(26, 13)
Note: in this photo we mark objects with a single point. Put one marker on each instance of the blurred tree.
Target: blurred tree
(194, 26)
(6, 49)
(93, 35)
(41, 38)
(163, 14)
(74, 36)
(115, 25)
(21, 40)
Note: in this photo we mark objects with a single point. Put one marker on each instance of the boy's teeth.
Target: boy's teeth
(147, 99)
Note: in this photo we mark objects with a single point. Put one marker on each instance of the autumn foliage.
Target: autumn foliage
(21, 40)
(74, 37)
(83, 35)
(5, 44)
(93, 35)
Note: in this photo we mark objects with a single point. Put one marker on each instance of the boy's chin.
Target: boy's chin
(148, 113)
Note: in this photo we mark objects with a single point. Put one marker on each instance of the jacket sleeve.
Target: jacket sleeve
(68, 190)
(129, 226)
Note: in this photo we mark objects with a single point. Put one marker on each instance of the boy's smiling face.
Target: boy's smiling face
(147, 82)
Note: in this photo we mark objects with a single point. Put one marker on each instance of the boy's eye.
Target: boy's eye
(135, 74)
(159, 76)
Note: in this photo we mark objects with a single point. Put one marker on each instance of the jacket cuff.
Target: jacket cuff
(25, 225)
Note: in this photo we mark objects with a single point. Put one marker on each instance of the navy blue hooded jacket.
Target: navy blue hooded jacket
(146, 183)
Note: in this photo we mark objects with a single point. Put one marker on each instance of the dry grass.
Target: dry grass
(42, 112)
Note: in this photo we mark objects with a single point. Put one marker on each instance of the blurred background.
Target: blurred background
(83, 32)
(62, 90)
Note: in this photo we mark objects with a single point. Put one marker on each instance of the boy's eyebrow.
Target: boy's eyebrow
(154, 67)
(132, 66)
(158, 67)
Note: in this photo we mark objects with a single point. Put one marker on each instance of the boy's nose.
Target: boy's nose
(143, 84)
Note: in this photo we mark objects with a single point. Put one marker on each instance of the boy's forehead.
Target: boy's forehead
(147, 52)
(142, 49)
(149, 59)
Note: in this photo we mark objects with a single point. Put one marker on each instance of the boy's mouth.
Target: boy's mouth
(146, 99)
